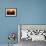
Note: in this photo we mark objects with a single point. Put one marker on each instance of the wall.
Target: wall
(28, 12)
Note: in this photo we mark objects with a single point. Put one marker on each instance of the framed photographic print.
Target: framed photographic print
(11, 11)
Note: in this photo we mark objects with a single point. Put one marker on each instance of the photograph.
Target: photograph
(10, 11)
